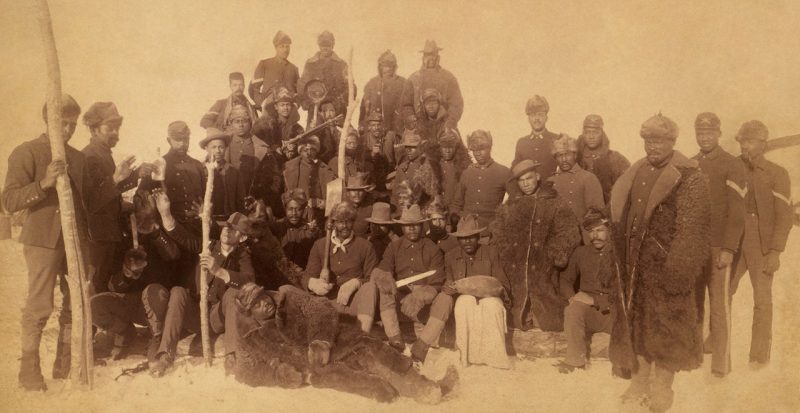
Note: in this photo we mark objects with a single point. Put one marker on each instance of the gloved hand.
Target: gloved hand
(319, 287)
(346, 291)
(723, 259)
(772, 262)
(384, 281)
(411, 305)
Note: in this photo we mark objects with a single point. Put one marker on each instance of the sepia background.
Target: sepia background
(162, 61)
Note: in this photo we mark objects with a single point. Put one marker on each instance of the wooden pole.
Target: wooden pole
(82, 352)
(206, 219)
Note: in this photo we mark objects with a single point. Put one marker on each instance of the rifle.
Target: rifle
(314, 130)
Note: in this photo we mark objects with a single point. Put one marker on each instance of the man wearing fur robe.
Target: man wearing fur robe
(291, 339)
(536, 232)
(418, 169)
(660, 225)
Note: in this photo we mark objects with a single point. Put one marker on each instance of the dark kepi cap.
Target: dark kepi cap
(707, 120)
(537, 104)
(659, 126)
(101, 112)
(375, 116)
(178, 130)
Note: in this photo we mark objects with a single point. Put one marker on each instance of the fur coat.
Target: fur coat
(664, 321)
(536, 234)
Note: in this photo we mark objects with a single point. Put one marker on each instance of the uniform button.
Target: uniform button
(639, 200)
(538, 221)
(644, 183)
(479, 190)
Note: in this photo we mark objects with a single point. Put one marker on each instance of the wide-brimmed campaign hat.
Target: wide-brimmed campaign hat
(381, 214)
(410, 216)
(237, 221)
(468, 226)
(522, 168)
(359, 181)
(214, 133)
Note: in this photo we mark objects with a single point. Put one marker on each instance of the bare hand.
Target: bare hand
(56, 168)
(209, 263)
(145, 169)
(162, 202)
(724, 259)
(773, 262)
(124, 170)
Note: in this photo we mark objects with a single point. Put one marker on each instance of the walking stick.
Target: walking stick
(81, 340)
(206, 220)
(134, 231)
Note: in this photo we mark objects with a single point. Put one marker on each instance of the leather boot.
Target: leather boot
(30, 374)
(640, 383)
(661, 394)
(63, 352)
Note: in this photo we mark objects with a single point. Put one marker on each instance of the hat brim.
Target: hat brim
(367, 188)
(223, 136)
(523, 172)
(464, 234)
(403, 222)
(379, 221)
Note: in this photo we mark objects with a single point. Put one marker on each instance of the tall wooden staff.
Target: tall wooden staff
(81, 347)
(205, 216)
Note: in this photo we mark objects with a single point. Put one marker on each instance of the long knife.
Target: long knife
(413, 278)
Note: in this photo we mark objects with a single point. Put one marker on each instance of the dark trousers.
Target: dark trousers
(183, 313)
(44, 266)
(751, 260)
(100, 264)
(718, 285)
(115, 312)
(580, 322)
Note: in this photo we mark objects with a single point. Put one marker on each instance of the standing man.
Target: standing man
(245, 150)
(768, 220)
(310, 174)
(184, 177)
(538, 144)
(330, 69)
(108, 182)
(433, 76)
(660, 224)
(228, 194)
(30, 185)
(483, 184)
(274, 72)
(595, 156)
(219, 115)
(454, 161)
(383, 93)
(580, 189)
(726, 184)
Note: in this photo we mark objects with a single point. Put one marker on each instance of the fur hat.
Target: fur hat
(593, 121)
(101, 112)
(387, 58)
(436, 210)
(564, 143)
(411, 138)
(326, 39)
(659, 126)
(707, 120)
(753, 130)
(592, 218)
(479, 138)
(297, 194)
(537, 104)
(449, 138)
(311, 141)
(281, 38)
(214, 133)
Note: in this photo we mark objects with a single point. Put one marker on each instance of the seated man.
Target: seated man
(421, 300)
(432, 116)
(296, 232)
(437, 227)
(291, 339)
(418, 169)
(380, 228)
(351, 261)
(229, 266)
(139, 288)
(356, 159)
(588, 311)
(229, 192)
(480, 320)
(359, 194)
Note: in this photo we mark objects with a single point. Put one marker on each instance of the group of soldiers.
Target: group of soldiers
(590, 243)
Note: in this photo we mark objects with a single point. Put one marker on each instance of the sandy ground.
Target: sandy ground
(532, 385)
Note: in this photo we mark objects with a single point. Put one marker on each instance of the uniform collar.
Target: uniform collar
(714, 154)
(535, 136)
(405, 243)
(575, 168)
(488, 165)
(99, 144)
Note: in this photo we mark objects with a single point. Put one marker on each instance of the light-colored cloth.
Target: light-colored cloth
(481, 331)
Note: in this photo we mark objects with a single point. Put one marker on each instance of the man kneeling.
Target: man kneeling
(588, 311)
(290, 338)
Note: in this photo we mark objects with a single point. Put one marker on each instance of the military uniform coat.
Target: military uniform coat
(313, 178)
(768, 188)
(184, 179)
(333, 73)
(447, 85)
(481, 190)
(579, 189)
(726, 183)
(271, 72)
(606, 164)
(384, 95)
(538, 149)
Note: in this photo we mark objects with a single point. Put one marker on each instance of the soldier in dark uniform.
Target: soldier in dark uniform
(30, 185)
(295, 232)
(274, 72)
(454, 160)
(274, 130)
(310, 174)
(383, 93)
(109, 181)
(768, 220)
(219, 115)
(537, 145)
(330, 69)
(184, 176)
(432, 76)
(380, 230)
(245, 151)
(595, 156)
(726, 182)
(228, 194)
(359, 193)
(483, 184)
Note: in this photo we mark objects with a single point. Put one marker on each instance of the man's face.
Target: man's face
(179, 144)
(344, 228)
(565, 160)
(216, 150)
(404, 200)
(282, 50)
(528, 182)
(751, 148)
(593, 137)
(325, 51)
(431, 107)
(351, 143)
(412, 152)
(240, 126)
(308, 153)
(356, 196)
(411, 122)
(707, 139)
(387, 71)
(438, 222)
(429, 60)
(448, 152)
(283, 109)
(375, 127)
(108, 133)
(469, 244)
(294, 212)
(482, 154)
(658, 149)
(68, 125)
(538, 120)
(599, 236)
(230, 236)
(328, 111)
(237, 87)
(263, 309)
(412, 232)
